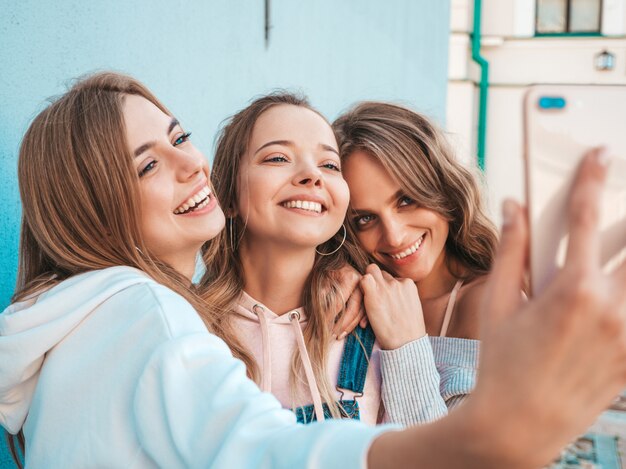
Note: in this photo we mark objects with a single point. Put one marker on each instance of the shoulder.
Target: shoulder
(140, 298)
(466, 320)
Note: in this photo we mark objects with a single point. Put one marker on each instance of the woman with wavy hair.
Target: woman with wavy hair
(109, 355)
(418, 213)
(278, 176)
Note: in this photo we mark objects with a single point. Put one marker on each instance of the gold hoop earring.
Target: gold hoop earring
(345, 233)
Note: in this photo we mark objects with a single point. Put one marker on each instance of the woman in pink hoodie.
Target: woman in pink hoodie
(278, 176)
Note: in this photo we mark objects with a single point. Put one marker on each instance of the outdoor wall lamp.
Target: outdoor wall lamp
(605, 60)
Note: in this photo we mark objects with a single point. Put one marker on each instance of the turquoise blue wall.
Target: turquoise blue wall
(206, 59)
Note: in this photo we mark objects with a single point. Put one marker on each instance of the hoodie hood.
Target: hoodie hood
(31, 328)
(248, 308)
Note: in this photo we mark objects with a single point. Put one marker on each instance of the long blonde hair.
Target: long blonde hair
(416, 155)
(80, 193)
(223, 281)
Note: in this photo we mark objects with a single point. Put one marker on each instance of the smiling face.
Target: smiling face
(407, 239)
(291, 191)
(178, 211)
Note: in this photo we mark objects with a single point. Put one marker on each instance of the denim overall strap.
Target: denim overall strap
(352, 373)
(355, 360)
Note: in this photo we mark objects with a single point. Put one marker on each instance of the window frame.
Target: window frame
(567, 33)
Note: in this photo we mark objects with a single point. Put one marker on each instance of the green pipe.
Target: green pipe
(483, 85)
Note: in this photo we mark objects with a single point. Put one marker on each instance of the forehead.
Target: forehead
(142, 119)
(363, 172)
(294, 123)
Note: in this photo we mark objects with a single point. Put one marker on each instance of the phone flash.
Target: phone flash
(551, 102)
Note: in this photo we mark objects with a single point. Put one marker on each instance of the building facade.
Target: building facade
(523, 42)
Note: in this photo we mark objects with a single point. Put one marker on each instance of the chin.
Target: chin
(214, 226)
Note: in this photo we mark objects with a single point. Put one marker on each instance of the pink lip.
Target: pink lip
(307, 198)
(408, 259)
(407, 246)
(209, 208)
(197, 188)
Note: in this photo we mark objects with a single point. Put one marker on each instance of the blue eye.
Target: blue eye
(182, 139)
(404, 200)
(147, 168)
(276, 158)
(363, 220)
(332, 165)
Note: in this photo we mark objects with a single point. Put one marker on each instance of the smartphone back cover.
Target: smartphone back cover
(561, 124)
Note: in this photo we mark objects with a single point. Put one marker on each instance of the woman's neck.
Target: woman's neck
(276, 275)
(183, 262)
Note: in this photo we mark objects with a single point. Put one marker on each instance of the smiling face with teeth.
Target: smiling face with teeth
(178, 210)
(291, 191)
(407, 239)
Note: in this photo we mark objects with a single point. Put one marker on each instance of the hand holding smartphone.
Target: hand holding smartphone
(561, 124)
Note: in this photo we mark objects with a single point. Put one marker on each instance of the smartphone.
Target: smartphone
(561, 123)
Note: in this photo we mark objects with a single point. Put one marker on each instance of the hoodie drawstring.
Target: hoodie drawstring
(294, 318)
(266, 384)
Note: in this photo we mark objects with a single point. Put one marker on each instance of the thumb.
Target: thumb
(503, 287)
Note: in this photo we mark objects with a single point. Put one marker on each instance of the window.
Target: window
(568, 16)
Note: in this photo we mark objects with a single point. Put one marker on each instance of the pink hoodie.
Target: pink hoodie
(273, 339)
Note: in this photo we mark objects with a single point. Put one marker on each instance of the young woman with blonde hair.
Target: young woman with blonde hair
(424, 221)
(108, 356)
(278, 176)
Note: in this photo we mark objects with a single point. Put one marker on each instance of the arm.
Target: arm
(457, 363)
(195, 407)
(410, 384)
(410, 381)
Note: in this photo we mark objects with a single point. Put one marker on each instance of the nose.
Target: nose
(188, 164)
(309, 175)
(393, 232)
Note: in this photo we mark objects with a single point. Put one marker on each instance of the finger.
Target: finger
(352, 313)
(351, 326)
(503, 286)
(375, 272)
(368, 285)
(364, 322)
(387, 276)
(583, 250)
(348, 278)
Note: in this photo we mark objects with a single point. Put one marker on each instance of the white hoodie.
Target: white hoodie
(111, 369)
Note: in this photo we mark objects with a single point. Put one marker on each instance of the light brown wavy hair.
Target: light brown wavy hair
(81, 204)
(418, 157)
(224, 279)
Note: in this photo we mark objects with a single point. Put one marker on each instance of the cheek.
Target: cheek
(251, 201)
(156, 200)
(441, 229)
(445, 229)
(341, 195)
(368, 240)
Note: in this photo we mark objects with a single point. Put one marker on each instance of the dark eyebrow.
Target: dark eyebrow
(325, 147)
(289, 143)
(146, 146)
(286, 143)
(393, 198)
